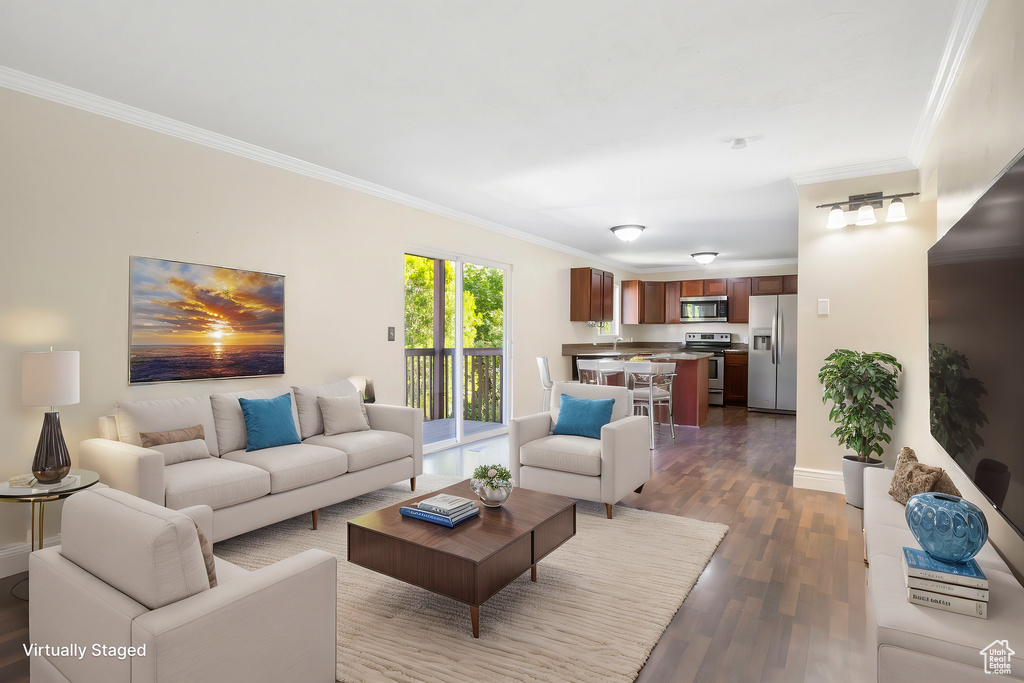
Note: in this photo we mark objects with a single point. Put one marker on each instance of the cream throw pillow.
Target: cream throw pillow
(343, 414)
(183, 451)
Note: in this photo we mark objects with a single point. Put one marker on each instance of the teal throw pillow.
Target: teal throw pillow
(583, 416)
(268, 422)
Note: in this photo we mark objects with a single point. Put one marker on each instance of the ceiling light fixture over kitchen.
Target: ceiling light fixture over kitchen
(627, 233)
(704, 257)
(865, 205)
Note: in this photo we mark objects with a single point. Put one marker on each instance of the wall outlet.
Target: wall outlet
(391, 334)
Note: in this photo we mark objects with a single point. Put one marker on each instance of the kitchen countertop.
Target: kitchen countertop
(678, 351)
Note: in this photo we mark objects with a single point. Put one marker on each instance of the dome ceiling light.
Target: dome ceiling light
(627, 233)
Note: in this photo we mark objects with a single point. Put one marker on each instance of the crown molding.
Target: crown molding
(79, 99)
(856, 171)
(724, 266)
(965, 24)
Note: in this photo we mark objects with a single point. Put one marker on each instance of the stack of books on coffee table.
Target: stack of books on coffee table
(443, 509)
(950, 586)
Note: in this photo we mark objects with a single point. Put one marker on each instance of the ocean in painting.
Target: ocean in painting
(176, 363)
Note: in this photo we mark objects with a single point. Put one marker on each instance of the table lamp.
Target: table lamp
(364, 385)
(50, 378)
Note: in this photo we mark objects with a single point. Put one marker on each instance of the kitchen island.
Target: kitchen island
(689, 389)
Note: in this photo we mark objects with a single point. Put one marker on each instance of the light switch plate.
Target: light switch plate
(391, 334)
(822, 306)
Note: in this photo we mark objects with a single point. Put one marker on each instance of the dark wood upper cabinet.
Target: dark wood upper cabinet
(739, 299)
(692, 288)
(591, 295)
(653, 309)
(773, 284)
(631, 293)
(715, 287)
(789, 284)
(643, 303)
(672, 294)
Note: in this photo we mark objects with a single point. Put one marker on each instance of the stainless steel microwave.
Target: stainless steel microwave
(704, 309)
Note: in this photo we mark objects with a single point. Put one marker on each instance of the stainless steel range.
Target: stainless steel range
(715, 343)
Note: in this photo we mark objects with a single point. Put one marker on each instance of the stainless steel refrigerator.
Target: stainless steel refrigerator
(771, 364)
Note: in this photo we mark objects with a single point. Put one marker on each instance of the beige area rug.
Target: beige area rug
(601, 601)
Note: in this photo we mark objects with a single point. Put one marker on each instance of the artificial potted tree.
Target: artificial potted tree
(862, 387)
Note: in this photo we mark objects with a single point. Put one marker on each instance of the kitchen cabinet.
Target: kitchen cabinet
(672, 294)
(643, 303)
(591, 295)
(738, 291)
(773, 284)
(692, 288)
(735, 380)
(715, 287)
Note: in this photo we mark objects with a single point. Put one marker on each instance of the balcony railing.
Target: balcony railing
(429, 387)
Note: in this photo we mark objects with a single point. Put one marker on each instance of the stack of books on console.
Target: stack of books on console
(443, 509)
(949, 586)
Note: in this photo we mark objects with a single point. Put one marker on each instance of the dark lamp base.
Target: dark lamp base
(52, 461)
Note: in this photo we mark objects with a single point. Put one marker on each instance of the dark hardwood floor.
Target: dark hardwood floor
(781, 600)
(783, 597)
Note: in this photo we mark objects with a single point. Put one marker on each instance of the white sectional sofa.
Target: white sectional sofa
(908, 643)
(250, 489)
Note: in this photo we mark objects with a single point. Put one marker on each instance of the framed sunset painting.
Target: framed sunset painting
(192, 322)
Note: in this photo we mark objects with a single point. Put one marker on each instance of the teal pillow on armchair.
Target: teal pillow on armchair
(583, 416)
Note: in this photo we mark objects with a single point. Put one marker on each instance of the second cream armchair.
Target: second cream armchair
(604, 470)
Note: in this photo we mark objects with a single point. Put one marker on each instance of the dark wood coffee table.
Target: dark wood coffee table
(473, 561)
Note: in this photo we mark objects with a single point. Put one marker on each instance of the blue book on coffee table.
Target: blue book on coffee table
(443, 520)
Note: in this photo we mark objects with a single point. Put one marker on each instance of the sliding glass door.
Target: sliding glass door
(456, 355)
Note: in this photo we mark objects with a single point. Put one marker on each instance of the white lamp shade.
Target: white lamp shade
(627, 233)
(704, 257)
(866, 215)
(897, 211)
(49, 378)
(836, 218)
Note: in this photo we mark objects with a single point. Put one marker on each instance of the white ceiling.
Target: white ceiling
(556, 118)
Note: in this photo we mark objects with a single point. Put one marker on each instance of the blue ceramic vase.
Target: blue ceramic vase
(948, 528)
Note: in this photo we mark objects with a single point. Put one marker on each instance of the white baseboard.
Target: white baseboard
(819, 480)
(14, 557)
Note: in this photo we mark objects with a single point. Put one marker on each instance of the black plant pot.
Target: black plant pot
(52, 461)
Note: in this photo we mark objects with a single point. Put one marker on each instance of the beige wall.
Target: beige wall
(81, 193)
(870, 270)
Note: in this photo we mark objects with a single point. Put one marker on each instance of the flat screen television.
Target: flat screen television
(976, 343)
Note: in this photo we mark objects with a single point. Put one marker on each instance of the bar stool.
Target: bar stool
(652, 386)
(545, 382)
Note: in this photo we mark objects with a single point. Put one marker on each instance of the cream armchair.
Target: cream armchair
(604, 469)
(131, 574)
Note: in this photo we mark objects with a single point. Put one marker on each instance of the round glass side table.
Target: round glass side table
(75, 481)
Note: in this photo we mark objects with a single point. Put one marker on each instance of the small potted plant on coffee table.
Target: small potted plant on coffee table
(861, 387)
(493, 483)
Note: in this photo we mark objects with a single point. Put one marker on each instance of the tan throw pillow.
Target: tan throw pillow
(343, 414)
(946, 485)
(910, 476)
(906, 458)
(183, 451)
(150, 439)
(207, 548)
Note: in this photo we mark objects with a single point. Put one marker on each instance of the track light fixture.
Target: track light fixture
(865, 205)
(627, 233)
